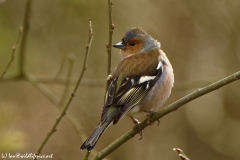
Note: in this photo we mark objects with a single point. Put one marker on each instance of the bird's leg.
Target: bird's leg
(136, 122)
(149, 114)
(109, 77)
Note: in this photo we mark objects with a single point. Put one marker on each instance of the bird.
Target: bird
(140, 83)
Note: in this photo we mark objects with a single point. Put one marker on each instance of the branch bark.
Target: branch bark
(166, 110)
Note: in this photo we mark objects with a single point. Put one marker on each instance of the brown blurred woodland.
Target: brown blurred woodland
(200, 38)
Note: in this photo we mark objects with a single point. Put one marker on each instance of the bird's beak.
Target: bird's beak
(119, 45)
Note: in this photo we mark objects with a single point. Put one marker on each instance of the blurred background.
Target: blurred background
(200, 38)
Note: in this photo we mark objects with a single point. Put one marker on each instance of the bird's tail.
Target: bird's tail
(96, 134)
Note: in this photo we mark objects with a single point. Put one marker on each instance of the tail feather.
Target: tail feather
(93, 138)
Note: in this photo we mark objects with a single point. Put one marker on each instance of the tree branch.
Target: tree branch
(61, 67)
(181, 154)
(13, 53)
(109, 44)
(52, 98)
(53, 129)
(100, 82)
(166, 110)
(71, 58)
(86, 155)
(24, 39)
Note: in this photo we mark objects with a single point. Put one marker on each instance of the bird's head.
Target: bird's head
(136, 41)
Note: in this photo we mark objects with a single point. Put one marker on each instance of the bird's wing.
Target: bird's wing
(126, 92)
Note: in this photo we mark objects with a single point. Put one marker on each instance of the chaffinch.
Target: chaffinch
(141, 82)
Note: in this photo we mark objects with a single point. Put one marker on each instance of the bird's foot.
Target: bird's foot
(149, 114)
(136, 122)
(140, 133)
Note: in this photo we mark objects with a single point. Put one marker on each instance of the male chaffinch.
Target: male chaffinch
(141, 82)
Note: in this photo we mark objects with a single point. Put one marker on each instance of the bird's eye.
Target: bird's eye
(132, 43)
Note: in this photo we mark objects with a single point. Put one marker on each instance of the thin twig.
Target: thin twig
(61, 66)
(86, 155)
(52, 98)
(13, 52)
(65, 92)
(109, 44)
(24, 39)
(100, 83)
(88, 45)
(166, 110)
(181, 154)
(193, 84)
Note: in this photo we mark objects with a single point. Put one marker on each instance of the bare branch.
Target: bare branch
(193, 84)
(50, 95)
(24, 39)
(166, 110)
(71, 58)
(53, 129)
(100, 83)
(181, 154)
(13, 53)
(61, 66)
(109, 44)
(86, 155)
(52, 98)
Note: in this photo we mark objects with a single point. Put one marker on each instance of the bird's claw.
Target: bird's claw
(158, 122)
(154, 122)
(136, 122)
(149, 114)
(141, 134)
